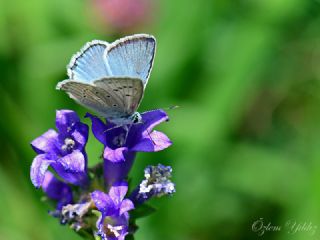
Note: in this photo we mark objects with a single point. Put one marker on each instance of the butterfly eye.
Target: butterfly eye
(135, 120)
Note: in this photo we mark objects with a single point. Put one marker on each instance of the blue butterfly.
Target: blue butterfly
(110, 78)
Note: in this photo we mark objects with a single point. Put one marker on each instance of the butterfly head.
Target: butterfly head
(136, 118)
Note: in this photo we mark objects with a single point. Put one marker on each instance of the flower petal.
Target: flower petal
(73, 162)
(117, 171)
(126, 205)
(57, 190)
(65, 120)
(46, 142)
(116, 229)
(38, 169)
(116, 155)
(98, 128)
(116, 137)
(153, 142)
(118, 191)
(80, 134)
(153, 118)
(107, 133)
(150, 119)
(76, 178)
(102, 201)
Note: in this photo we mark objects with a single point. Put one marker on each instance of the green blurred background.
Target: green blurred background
(245, 74)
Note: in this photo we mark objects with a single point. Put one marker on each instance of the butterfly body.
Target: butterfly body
(110, 78)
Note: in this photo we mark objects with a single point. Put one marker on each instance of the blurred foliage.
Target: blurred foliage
(247, 134)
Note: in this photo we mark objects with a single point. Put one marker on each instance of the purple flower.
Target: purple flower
(56, 190)
(121, 143)
(114, 220)
(63, 151)
(157, 183)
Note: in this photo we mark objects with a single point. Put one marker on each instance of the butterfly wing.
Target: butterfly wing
(131, 56)
(127, 91)
(88, 64)
(111, 97)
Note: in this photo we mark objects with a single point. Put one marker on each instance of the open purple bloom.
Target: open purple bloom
(114, 220)
(121, 143)
(157, 183)
(56, 190)
(63, 151)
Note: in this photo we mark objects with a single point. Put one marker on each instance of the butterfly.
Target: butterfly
(110, 78)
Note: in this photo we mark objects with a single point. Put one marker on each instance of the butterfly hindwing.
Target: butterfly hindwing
(88, 64)
(129, 90)
(92, 97)
(111, 97)
(131, 56)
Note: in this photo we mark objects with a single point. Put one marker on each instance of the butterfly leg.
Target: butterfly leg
(109, 129)
(127, 129)
(151, 138)
(141, 122)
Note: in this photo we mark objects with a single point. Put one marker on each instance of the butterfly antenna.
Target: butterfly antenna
(172, 107)
(127, 131)
(168, 108)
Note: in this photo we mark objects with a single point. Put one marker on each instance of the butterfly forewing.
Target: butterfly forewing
(88, 64)
(131, 56)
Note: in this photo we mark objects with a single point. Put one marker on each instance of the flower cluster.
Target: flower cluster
(96, 201)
